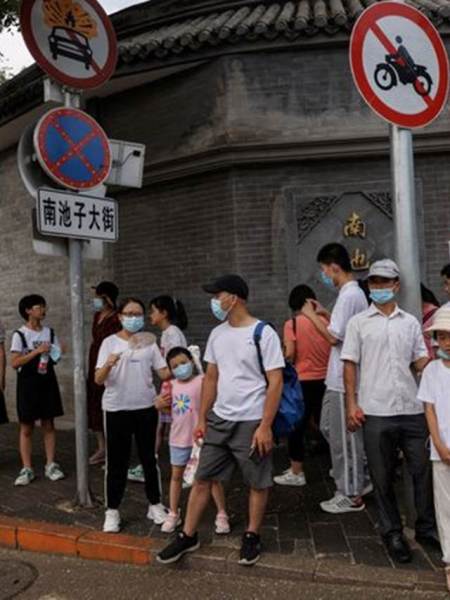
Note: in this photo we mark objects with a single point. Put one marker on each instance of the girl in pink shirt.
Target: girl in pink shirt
(185, 403)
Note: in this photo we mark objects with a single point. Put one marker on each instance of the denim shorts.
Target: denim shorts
(179, 457)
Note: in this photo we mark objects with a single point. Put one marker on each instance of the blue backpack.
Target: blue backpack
(292, 407)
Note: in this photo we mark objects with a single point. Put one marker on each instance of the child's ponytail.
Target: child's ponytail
(181, 316)
(176, 313)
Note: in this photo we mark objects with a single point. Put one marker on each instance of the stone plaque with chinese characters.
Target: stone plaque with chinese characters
(358, 217)
(67, 214)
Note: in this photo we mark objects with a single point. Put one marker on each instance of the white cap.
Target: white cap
(386, 268)
(441, 320)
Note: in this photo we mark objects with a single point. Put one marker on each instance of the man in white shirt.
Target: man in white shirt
(445, 274)
(347, 452)
(239, 404)
(385, 342)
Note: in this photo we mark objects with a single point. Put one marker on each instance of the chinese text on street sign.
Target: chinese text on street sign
(65, 214)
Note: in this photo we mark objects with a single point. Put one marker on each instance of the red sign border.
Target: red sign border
(362, 25)
(38, 138)
(74, 82)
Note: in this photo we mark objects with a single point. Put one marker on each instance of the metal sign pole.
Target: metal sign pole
(406, 250)
(405, 219)
(83, 496)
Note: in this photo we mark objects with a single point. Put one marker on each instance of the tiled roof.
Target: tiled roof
(251, 21)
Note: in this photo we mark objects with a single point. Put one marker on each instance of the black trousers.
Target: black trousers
(120, 428)
(383, 436)
(313, 392)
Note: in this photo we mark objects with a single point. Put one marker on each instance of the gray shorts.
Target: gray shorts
(227, 445)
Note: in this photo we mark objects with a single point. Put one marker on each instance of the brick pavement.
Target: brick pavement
(294, 524)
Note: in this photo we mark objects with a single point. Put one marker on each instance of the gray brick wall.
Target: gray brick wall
(177, 234)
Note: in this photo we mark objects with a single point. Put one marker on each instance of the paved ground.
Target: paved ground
(39, 577)
(294, 524)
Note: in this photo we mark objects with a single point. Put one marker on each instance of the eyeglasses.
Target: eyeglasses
(40, 306)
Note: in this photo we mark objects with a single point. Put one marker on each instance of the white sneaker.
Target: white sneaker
(290, 478)
(136, 474)
(341, 504)
(222, 524)
(112, 521)
(171, 523)
(53, 472)
(25, 477)
(157, 513)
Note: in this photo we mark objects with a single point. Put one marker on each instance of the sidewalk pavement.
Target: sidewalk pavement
(295, 532)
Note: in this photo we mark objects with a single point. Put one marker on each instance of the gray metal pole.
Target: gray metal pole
(83, 497)
(405, 219)
(406, 251)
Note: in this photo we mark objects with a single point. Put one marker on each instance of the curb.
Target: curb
(36, 536)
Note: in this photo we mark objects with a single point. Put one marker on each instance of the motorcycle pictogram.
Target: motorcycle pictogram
(400, 66)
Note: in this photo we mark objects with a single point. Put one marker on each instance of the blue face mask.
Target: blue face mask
(133, 324)
(55, 353)
(326, 280)
(98, 304)
(184, 371)
(217, 310)
(443, 354)
(382, 296)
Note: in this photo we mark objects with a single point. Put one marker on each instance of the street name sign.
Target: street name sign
(71, 215)
(73, 41)
(399, 64)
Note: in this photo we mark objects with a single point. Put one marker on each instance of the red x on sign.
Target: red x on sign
(72, 148)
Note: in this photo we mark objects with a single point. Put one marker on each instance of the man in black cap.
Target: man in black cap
(237, 410)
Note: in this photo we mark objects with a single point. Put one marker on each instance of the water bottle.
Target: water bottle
(43, 364)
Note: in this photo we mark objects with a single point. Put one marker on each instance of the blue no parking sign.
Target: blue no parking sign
(72, 148)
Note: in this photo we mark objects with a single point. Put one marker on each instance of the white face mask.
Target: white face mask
(217, 310)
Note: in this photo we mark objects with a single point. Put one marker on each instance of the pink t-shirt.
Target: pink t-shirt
(185, 410)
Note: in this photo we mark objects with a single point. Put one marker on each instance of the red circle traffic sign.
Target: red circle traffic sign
(72, 148)
(73, 41)
(399, 64)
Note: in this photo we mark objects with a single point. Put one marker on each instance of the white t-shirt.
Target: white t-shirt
(171, 338)
(129, 385)
(350, 301)
(33, 339)
(241, 389)
(434, 389)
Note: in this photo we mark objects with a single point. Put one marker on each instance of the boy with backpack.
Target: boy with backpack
(34, 352)
(238, 406)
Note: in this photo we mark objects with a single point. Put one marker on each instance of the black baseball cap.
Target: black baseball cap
(108, 289)
(233, 284)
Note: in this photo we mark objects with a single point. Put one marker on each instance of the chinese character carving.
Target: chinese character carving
(49, 211)
(359, 260)
(355, 226)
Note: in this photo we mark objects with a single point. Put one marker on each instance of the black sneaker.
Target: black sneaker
(174, 551)
(250, 549)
